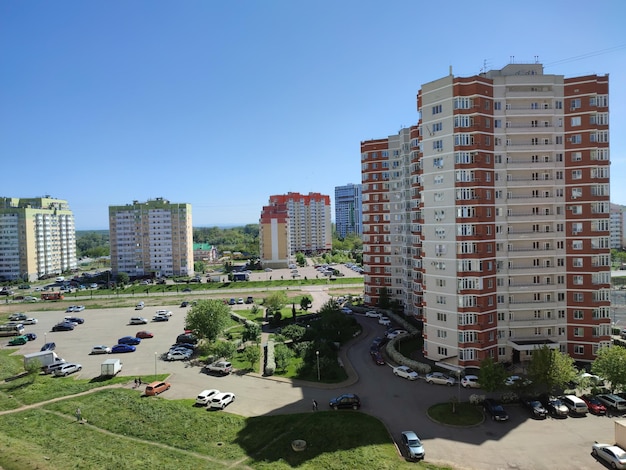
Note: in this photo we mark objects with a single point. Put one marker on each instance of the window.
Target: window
(463, 139)
(497, 105)
(579, 297)
(437, 109)
(575, 139)
(577, 174)
(438, 145)
(577, 156)
(575, 121)
(578, 315)
(579, 332)
(438, 126)
(575, 103)
(463, 103)
(463, 120)
(442, 316)
(442, 351)
(577, 244)
(438, 162)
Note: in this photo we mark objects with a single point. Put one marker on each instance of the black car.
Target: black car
(48, 347)
(184, 304)
(64, 326)
(191, 347)
(249, 300)
(537, 410)
(348, 400)
(495, 409)
(378, 343)
(31, 336)
(78, 320)
(187, 338)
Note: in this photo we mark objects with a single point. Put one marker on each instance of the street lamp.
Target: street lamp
(317, 353)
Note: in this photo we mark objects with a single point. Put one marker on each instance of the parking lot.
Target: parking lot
(520, 443)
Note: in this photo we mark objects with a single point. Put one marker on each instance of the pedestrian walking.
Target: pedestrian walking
(136, 383)
(79, 415)
(139, 379)
(314, 405)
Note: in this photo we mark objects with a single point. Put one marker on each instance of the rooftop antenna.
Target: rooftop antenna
(536, 59)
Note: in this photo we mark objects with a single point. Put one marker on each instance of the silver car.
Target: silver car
(611, 454)
(413, 445)
(439, 378)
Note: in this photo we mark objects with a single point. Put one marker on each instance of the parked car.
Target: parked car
(377, 357)
(123, 348)
(439, 378)
(346, 311)
(470, 381)
(384, 321)
(18, 340)
(140, 306)
(372, 314)
(178, 355)
(184, 304)
(405, 372)
(516, 381)
(537, 410)
(395, 333)
(347, 400)
(240, 301)
(137, 321)
(378, 343)
(158, 318)
(189, 338)
(63, 326)
(594, 405)
(129, 340)
(17, 316)
(101, 350)
(575, 405)
(232, 302)
(167, 313)
(221, 367)
(48, 347)
(413, 445)
(144, 335)
(554, 406)
(612, 401)
(70, 309)
(249, 300)
(30, 321)
(79, 308)
(155, 388)
(51, 368)
(204, 397)
(613, 455)
(67, 368)
(221, 400)
(31, 336)
(495, 409)
(191, 347)
(77, 320)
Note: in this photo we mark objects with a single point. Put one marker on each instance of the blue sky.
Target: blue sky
(223, 103)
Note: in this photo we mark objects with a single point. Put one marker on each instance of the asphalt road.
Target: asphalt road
(521, 443)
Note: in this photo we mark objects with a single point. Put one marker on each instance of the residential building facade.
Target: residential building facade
(617, 222)
(151, 239)
(489, 220)
(294, 223)
(37, 238)
(348, 210)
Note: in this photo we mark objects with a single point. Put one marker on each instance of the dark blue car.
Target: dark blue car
(128, 340)
(122, 348)
(64, 326)
(31, 336)
(48, 347)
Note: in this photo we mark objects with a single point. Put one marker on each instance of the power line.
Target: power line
(586, 55)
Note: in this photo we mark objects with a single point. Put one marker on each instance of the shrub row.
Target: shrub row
(270, 360)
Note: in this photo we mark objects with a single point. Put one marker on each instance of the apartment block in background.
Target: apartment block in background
(37, 238)
(153, 238)
(618, 219)
(348, 207)
(294, 223)
(489, 220)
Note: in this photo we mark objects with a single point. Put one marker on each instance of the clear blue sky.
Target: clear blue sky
(223, 103)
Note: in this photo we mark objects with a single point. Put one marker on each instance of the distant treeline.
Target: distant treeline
(95, 243)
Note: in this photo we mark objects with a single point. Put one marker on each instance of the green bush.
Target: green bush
(270, 364)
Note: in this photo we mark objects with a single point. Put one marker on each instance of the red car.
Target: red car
(144, 334)
(595, 406)
(377, 357)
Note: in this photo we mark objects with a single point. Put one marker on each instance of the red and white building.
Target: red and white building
(489, 220)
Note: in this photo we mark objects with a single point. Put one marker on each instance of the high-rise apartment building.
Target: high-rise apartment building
(294, 223)
(618, 219)
(348, 210)
(153, 238)
(490, 218)
(37, 238)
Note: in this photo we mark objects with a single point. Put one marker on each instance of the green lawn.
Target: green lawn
(125, 430)
(465, 414)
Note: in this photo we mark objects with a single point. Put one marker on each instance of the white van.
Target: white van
(575, 404)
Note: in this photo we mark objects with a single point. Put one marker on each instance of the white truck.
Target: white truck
(45, 358)
(110, 367)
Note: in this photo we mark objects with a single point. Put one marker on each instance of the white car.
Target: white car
(372, 314)
(395, 333)
(67, 368)
(29, 321)
(517, 381)
(205, 396)
(79, 308)
(167, 313)
(405, 372)
(177, 355)
(439, 378)
(221, 400)
(138, 321)
(101, 350)
(613, 455)
(384, 321)
(470, 381)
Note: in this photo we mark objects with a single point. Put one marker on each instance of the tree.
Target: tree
(383, 298)
(225, 349)
(276, 301)
(199, 266)
(300, 259)
(282, 356)
(492, 375)
(208, 318)
(551, 368)
(251, 332)
(305, 303)
(293, 332)
(293, 312)
(123, 278)
(251, 355)
(610, 364)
